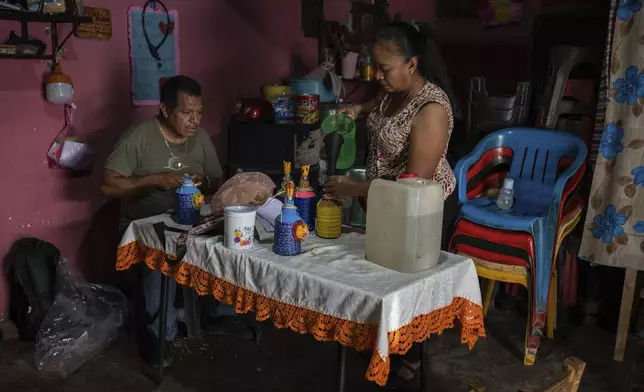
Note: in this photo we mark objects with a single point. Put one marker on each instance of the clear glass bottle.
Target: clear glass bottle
(506, 195)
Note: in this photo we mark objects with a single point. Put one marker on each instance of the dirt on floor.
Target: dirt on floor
(284, 361)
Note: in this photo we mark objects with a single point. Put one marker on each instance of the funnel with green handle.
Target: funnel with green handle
(345, 126)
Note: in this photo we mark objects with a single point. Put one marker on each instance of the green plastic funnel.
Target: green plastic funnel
(345, 126)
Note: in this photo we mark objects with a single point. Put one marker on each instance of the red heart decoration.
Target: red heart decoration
(169, 27)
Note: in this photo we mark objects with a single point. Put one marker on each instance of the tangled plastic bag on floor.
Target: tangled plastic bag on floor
(83, 320)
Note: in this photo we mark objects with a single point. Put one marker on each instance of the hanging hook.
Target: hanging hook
(154, 5)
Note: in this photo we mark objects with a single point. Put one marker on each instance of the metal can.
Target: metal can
(367, 72)
(307, 109)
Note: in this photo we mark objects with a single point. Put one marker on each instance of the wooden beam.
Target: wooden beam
(625, 313)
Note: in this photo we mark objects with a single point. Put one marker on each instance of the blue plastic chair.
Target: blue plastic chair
(538, 187)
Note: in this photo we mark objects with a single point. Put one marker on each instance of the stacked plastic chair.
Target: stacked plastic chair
(520, 245)
(488, 113)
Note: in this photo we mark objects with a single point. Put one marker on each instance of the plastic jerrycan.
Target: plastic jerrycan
(404, 223)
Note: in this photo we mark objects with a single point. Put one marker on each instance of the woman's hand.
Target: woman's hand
(351, 111)
(342, 186)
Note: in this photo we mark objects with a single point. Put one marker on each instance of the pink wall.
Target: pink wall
(231, 47)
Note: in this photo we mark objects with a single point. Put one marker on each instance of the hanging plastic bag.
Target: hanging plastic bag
(83, 320)
(69, 152)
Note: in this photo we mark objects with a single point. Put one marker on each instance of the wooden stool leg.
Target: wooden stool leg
(551, 317)
(487, 295)
(625, 313)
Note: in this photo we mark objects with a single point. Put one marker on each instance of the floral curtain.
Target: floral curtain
(614, 231)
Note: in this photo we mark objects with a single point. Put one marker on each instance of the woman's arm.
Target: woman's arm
(343, 186)
(367, 107)
(356, 111)
(429, 133)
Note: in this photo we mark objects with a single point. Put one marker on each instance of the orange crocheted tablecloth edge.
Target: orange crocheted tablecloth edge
(325, 328)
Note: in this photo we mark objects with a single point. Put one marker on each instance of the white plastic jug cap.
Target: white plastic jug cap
(508, 183)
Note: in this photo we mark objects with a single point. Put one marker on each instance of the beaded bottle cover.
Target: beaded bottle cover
(305, 199)
(329, 218)
(286, 178)
(189, 201)
(290, 229)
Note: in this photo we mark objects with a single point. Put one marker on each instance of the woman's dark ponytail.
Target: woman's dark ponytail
(432, 66)
(419, 40)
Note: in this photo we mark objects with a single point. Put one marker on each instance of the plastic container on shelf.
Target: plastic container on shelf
(272, 91)
(404, 223)
(314, 87)
(283, 106)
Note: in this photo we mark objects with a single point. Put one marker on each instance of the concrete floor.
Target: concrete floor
(287, 362)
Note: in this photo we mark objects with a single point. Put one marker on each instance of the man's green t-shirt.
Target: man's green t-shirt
(142, 150)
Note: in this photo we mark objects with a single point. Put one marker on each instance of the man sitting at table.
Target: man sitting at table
(145, 168)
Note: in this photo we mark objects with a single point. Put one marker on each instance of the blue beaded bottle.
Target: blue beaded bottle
(189, 201)
(290, 229)
(305, 199)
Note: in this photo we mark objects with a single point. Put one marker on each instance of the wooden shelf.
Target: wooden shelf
(53, 19)
(26, 57)
(42, 18)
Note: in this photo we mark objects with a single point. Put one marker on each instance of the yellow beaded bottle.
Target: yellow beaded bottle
(328, 223)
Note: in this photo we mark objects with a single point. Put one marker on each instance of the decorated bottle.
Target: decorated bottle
(305, 199)
(189, 202)
(329, 210)
(290, 229)
(285, 179)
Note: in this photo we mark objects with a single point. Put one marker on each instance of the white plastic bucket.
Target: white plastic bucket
(239, 227)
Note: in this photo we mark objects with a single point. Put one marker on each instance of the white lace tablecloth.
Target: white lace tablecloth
(330, 277)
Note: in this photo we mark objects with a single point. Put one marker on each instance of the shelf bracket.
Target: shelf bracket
(24, 30)
(68, 36)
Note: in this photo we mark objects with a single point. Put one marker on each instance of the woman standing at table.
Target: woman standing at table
(409, 123)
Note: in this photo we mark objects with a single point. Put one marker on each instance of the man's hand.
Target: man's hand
(118, 185)
(207, 185)
(197, 179)
(167, 180)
